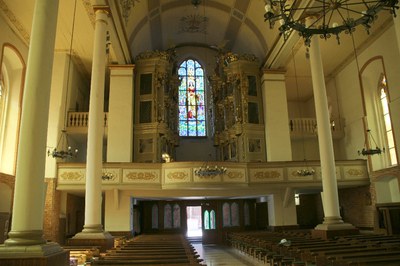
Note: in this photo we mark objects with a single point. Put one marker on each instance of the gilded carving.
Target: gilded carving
(177, 175)
(142, 176)
(355, 172)
(155, 54)
(72, 176)
(235, 175)
(267, 175)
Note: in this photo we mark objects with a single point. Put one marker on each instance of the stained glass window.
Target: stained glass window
(192, 114)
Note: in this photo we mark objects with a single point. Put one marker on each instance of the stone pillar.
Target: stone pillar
(93, 233)
(332, 219)
(120, 114)
(282, 209)
(277, 134)
(26, 244)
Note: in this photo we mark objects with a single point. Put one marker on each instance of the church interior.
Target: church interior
(225, 122)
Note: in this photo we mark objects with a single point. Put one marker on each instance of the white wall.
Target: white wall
(349, 94)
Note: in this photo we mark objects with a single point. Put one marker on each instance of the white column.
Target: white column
(120, 114)
(332, 219)
(277, 134)
(29, 194)
(329, 183)
(93, 197)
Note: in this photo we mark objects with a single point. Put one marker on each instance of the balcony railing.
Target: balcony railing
(299, 127)
(81, 119)
(307, 127)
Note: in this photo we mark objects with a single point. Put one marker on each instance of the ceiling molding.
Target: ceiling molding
(14, 23)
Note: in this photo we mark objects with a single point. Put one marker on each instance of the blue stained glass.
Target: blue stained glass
(199, 72)
(200, 113)
(201, 128)
(182, 97)
(200, 98)
(192, 128)
(182, 113)
(192, 111)
(199, 83)
(182, 128)
(182, 71)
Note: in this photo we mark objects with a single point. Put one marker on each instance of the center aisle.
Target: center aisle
(216, 255)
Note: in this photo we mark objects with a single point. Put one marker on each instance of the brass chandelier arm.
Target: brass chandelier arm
(351, 14)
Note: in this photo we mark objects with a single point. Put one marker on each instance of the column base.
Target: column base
(333, 227)
(103, 240)
(49, 254)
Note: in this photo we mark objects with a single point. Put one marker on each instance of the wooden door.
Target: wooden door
(209, 216)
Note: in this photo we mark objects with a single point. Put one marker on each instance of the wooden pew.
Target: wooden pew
(152, 250)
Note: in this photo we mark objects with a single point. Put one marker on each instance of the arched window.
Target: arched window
(387, 120)
(3, 95)
(192, 115)
(154, 216)
(167, 216)
(176, 222)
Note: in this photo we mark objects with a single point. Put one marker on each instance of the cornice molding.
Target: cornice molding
(12, 20)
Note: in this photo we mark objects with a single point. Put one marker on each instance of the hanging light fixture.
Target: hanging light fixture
(195, 3)
(63, 150)
(329, 15)
(367, 150)
(206, 171)
(61, 153)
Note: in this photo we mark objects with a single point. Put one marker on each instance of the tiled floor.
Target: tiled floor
(215, 255)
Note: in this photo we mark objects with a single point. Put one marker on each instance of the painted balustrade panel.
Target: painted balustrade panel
(185, 174)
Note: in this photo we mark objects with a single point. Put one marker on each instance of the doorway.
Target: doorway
(194, 224)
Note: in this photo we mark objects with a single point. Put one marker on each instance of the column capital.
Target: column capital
(273, 71)
(122, 67)
(102, 8)
(273, 75)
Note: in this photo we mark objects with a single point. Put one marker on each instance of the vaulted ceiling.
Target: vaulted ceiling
(234, 25)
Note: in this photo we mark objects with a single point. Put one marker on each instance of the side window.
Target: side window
(387, 121)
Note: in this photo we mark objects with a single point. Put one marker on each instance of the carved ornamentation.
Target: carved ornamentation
(355, 172)
(235, 175)
(142, 176)
(166, 55)
(267, 175)
(71, 176)
(177, 175)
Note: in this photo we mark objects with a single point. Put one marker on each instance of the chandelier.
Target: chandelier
(205, 170)
(367, 150)
(63, 150)
(107, 175)
(305, 172)
(331, 16)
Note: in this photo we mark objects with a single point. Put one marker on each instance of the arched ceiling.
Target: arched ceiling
(235, 25)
